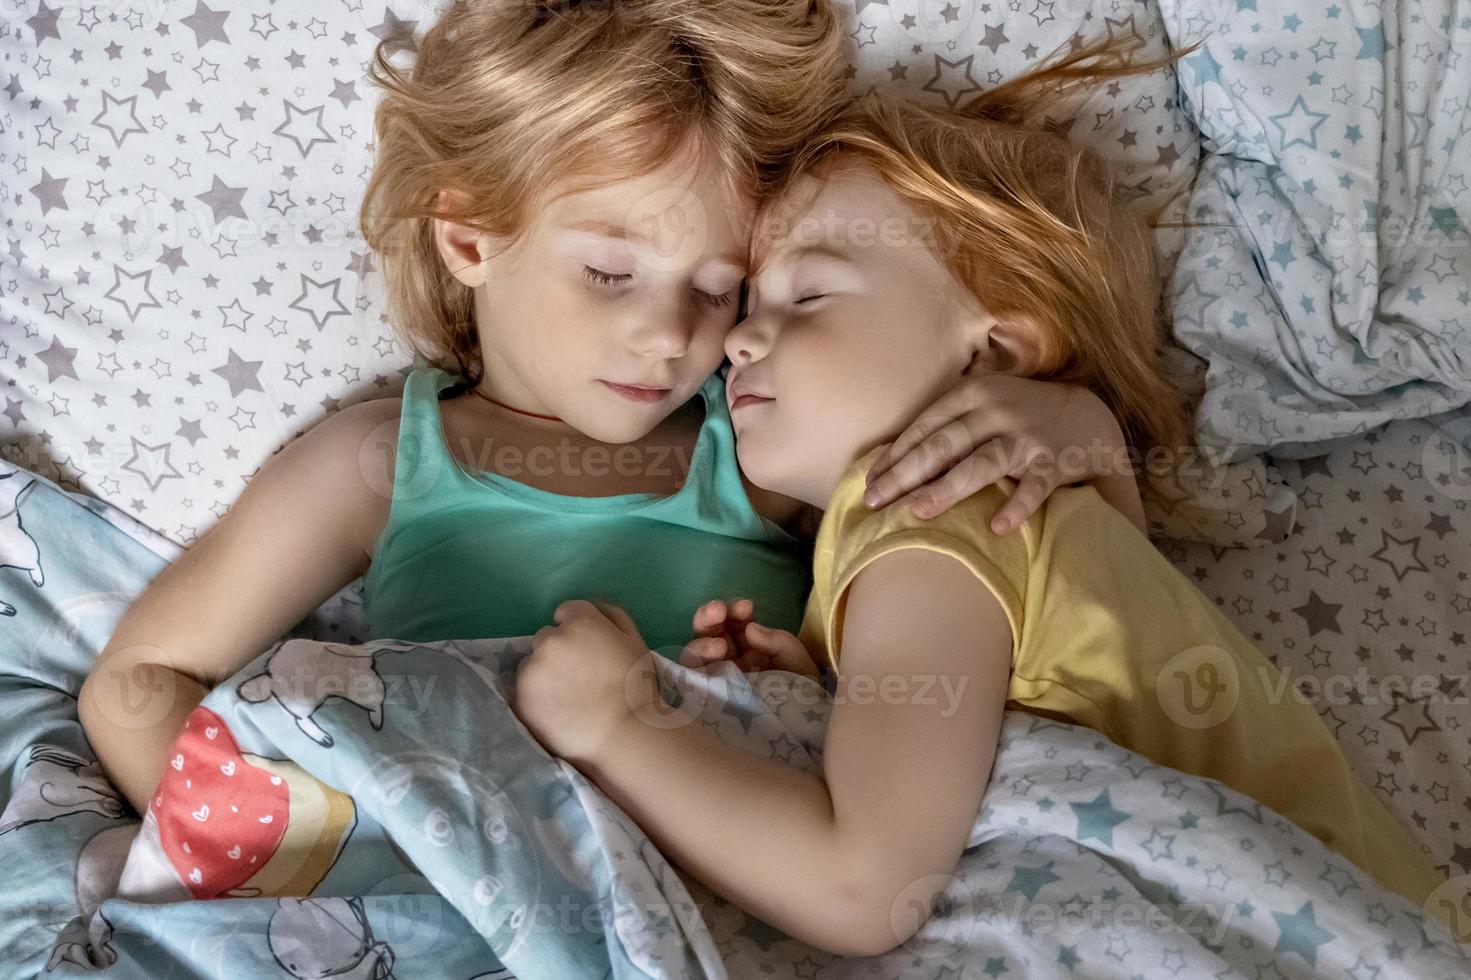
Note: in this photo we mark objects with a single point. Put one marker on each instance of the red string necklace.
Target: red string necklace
(518, 411)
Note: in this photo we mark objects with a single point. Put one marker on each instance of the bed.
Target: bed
(183, 291)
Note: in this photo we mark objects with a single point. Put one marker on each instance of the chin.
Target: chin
(618, 431)
(613, 420)
(763, 467)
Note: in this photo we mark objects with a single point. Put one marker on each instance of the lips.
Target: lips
(746, 400)
(638, 393)
(741, 393)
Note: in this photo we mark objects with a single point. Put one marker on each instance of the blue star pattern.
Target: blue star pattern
(1074, 872)
(1298, 125)
(1335, 219)
(1097, 819)
(1300, 933)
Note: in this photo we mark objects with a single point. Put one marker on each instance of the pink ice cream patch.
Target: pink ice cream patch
(219, 818)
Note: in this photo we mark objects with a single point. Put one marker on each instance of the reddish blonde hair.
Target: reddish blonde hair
(1028, 222)
(507, 98)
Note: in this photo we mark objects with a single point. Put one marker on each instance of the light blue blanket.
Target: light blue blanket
(468, 852)
(1328, 276)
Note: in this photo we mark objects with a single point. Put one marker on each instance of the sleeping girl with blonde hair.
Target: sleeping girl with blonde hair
(1020, 265)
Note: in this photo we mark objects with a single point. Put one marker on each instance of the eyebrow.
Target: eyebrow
(824, 251)
(609, 229)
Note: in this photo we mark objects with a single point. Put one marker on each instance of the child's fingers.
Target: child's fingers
(900, 449)
(780, 650)
(739, 615)
(620, 618)
(705, 650)
(952, 405)
(741, 610)
(966, 400)
(744, 662)
(1030, 494)
(710, 619)
(754, 661)
(935, 454)
(980, 469)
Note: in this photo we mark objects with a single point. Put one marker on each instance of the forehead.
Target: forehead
(686, 207)
(849, 211)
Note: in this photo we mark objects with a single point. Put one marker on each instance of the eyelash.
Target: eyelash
(609, 279)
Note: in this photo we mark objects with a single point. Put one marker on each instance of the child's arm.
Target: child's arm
(850, 861)
(1045, 433)
(295, 536)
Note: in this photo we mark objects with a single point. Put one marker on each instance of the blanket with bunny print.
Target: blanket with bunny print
(374, 809)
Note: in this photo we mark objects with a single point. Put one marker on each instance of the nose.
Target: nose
(747, 341)
(663, 332)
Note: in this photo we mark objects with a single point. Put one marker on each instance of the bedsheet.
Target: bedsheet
(1327, 279)
(1366, 604)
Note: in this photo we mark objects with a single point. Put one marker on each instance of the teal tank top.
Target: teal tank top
(467, 553)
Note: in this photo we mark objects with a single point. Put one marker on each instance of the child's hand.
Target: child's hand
(727, 633)
(584, 678)
(1046, 434)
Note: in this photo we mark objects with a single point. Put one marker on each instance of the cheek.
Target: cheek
(814, 392)
(855, 385)
(822, 365)
(548, 313)
(712, 331)
(584, 327)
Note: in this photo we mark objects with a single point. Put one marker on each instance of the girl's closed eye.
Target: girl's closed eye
(724, 299)
(605, 278)
(615, 279)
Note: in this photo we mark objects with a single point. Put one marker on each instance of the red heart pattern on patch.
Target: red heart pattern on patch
(219, 817)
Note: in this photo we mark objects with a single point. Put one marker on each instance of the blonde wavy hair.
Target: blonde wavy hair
(507, 98)
(1027, 221)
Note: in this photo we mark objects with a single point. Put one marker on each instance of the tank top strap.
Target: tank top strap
(422, 462)
(719, 469)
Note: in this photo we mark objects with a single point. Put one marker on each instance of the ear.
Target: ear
(463, 249)
(1006, 345)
